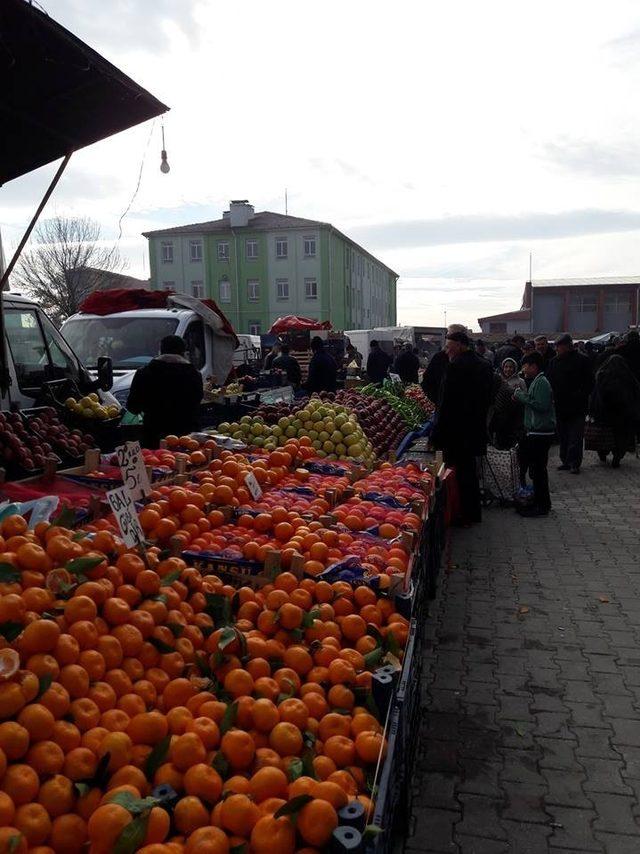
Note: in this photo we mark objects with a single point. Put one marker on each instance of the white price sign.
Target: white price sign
(134, 472)
(121, 502)
(253, 486)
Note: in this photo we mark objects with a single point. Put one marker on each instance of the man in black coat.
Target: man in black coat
(545, 349)
(407, 364)
(513, 349)
(290, 365)
(322, 368)
(378, 363)
(571, 378)
(167, 392)
(433, 376)
(630, 352)
(461, 425)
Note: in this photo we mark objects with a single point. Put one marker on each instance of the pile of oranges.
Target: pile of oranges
(122, 672)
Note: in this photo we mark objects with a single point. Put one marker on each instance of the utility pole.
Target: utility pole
(286, 202)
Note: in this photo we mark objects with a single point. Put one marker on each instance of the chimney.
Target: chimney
(240, 212)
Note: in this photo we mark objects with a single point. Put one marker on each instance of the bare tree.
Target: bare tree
(64, 263)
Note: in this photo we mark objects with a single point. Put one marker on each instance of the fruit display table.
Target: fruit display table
(247, 676)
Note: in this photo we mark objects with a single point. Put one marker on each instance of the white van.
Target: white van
(37, 353)
(132, 338)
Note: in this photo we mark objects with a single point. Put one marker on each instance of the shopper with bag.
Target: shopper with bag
(539, 427)
(615, 410)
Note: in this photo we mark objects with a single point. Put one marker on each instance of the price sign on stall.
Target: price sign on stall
(253, 486)
(134, 472)
(121, 502)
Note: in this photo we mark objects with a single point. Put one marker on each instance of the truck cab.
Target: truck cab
(36, 352)
(132, 338)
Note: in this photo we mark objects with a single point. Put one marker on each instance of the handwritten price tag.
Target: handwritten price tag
(253, 486)
(134, 472)
(121, 502)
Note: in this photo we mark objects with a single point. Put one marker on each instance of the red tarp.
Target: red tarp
(125, 299)
(290, 323)
(122, 299)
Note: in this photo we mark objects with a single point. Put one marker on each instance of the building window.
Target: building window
(282, 248)
(225, 290)
(252, 249)
(197, 288)
(168, 286)
(253, 290)
(254, 327)
(223, 250)
(167, 252)
(310, 289)
(195, 251)
(497, 326)
(309, 247)
(617, 303)
(282, 288)
(582, 304)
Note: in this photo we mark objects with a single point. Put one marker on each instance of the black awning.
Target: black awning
(57, 95)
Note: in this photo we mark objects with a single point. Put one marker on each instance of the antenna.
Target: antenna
(530, 264)
(286, 202)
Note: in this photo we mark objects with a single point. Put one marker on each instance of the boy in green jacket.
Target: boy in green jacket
(540, 428)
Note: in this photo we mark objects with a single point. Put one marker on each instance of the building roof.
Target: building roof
(598, 281)
(523, 314)
(261, 221)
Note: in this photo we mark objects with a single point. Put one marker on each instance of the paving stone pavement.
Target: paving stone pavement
(530, 729)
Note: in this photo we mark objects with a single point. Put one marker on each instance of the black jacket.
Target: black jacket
(571, 378)
(287, 363)
(461, 426)
(630, 352)
(406, 367)
(434, 374)
(508, 351)
(547, 358)
(322, 372)
(378, 363)
(167, 392)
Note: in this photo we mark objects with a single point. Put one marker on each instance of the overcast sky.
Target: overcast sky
(448, 138)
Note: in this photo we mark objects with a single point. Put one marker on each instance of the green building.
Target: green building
(260, 266)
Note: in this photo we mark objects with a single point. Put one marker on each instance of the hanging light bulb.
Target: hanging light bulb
(164, 163)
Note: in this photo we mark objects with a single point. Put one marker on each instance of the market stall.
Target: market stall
(238, 649)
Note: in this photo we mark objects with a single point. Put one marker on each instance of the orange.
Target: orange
(32, 820)
(21, 783)
(332, 793)
(334, 724)
(324, 767)
(268, 782)
(238, 748)
(37, 720)
(46, 757)
(316, 822)
(187, 750)
(286, 739)
(80, 764)
(7, 809)
(272, 835)
(239, 815)
(341, 749)
(295, 712)
(189, 814)
(39, 636)
(11, 840)
(69, 834)
(14, 740)
(207, 840)
(369, 746)
(203, 782)
(105, 826)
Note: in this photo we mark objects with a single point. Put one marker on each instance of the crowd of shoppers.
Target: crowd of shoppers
(525, 394)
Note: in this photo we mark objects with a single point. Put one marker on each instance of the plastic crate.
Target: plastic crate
(392, 802)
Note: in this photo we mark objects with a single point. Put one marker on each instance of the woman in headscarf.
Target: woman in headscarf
(615, 406)
(506, 419)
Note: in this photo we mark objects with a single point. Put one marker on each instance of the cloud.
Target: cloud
(481, 228)
(123, 24)
(596, 159)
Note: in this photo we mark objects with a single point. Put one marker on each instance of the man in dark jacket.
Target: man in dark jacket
(407, 364)
(167, 392)
(513, 349)
(571, 378)
(287, 363)
(378, 363)
(322, 368)
(433, 376)
(630, 352)
(546, 351)
(461, 426)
